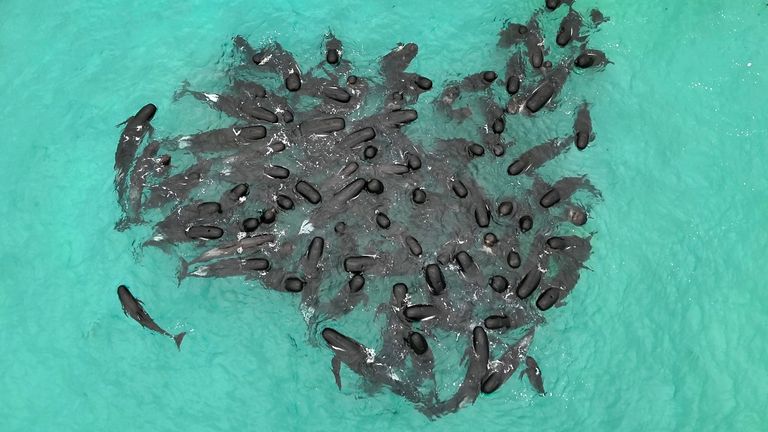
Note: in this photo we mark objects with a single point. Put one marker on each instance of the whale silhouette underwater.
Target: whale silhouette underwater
(324, 187)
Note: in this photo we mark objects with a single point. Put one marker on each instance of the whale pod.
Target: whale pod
(435, 279)
(308, 192)
(420, 312)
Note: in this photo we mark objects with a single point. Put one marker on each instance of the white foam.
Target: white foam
(306, 227)
(370, 354)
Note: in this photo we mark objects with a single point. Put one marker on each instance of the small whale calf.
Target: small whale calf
(134, 308)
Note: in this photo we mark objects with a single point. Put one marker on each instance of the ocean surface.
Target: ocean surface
(666, 330)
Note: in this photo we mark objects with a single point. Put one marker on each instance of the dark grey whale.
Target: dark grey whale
(134, 308)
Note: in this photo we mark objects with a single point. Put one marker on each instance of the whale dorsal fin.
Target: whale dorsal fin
(336, 368)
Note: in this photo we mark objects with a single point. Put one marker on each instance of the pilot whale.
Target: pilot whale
(134, 308)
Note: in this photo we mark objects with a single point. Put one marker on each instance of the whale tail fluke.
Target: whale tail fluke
(183, 91)
(178, 338)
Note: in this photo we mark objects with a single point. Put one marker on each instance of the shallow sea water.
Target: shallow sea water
(666, 331)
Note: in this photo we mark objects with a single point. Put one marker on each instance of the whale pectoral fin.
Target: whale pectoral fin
(522, 372)
(336, 368)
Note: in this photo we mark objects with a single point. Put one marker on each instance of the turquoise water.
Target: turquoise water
(666, 332)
